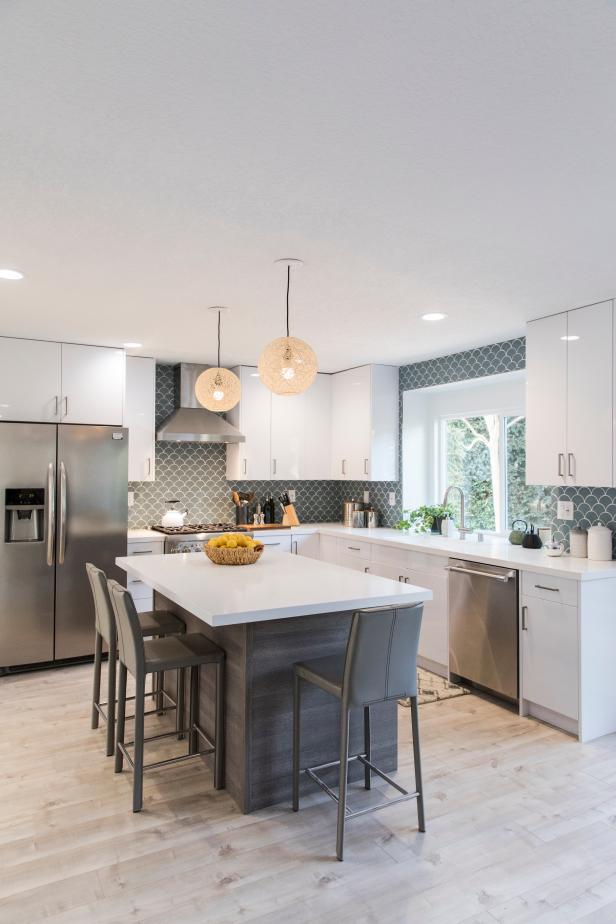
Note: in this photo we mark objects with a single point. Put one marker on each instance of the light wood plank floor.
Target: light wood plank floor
(521, 828)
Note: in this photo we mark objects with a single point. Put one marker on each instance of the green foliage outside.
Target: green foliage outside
(468, 465)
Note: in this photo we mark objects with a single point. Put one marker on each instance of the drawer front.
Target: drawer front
(137, 588)
(355, 562)
(354, 547)
(388, 555)
(548, 587)
(276, 543)
(422, 561)
(145, 547)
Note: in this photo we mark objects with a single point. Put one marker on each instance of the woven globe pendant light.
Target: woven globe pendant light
(288, 365)
(218, 389)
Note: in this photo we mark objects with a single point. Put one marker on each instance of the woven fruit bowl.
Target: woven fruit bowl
(239, 556)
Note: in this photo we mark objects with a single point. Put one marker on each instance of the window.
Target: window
(486, 456)
(471, 434)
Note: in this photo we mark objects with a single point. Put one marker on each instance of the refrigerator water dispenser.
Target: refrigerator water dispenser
(24, 514)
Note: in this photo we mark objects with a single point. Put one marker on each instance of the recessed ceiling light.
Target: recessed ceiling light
(570, 337)
(132, 345)
(10, 274)
(254, 375)
(433, 316)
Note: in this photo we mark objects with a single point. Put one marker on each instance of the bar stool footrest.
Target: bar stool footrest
(211, 747)
(404, 797)
(101, 707)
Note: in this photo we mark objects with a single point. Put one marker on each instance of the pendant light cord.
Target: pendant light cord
(288, 286)
(219, 339)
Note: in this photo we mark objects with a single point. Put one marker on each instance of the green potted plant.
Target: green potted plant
(425, 518)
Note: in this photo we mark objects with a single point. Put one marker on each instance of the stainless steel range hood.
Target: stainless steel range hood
(190, 422)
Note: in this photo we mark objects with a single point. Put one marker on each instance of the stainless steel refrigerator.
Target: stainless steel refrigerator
(64, 493)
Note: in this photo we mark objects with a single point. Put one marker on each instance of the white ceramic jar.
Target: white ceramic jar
(600, 543)
(578, 543)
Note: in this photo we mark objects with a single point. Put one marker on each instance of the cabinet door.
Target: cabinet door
(315, 459)
(351, 421)
(253, 417)
(139, 412)
(354, 562)
(307, 545)
(589, 395)
(393, 572)
(328, 549)
(546, 400)
(550, 655)
(434, 636)
(287, 436)
(30, 383)
(92, 384)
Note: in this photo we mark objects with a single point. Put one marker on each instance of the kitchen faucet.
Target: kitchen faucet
(462, 529)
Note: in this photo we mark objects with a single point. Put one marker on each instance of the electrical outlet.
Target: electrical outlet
(291, 494)
(131, 498)
(564, 510)
(392, 498)
(366, 497)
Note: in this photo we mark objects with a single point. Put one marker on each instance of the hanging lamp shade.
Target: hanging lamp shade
(218, 389)
(288, 365)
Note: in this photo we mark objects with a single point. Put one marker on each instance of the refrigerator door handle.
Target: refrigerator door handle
(62, 535)
(50, 509)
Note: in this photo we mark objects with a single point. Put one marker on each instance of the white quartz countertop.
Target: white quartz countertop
(134, 535)
(495, 551)
(278, 586)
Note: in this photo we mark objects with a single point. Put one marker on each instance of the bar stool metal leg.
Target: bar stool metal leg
(138, 753)
(96, 691)
(296, 740)
(179, 712)
(367, 748)
(119, 757)
(417, 762)
(219, 728)
(111, 700)
(344, 771)
(193, 710)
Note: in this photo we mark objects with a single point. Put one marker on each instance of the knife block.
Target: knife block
(290, 517)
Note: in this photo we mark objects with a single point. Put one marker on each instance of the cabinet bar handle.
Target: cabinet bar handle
(401, 578)
(561, 465)
(344, 466)
(149, 466)
(273, 466)
(571, 458)
(66, 405)
(295, 544)
(57, 410)
(554, 590)
(244, 466)
(147, 552)
(366, 569)
(524, 615)
(354, 548)
(365, 466)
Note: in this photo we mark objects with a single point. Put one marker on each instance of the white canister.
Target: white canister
(600, 543)
(578, 542)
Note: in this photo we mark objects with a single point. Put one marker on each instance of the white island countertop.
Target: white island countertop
(278, 586)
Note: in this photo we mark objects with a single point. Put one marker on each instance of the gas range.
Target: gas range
(190, 538)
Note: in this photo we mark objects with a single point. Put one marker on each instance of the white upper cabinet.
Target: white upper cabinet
(301, 433)
(569, 420)
(589, 396)
(546, 400)
(252, 417)
(287, 436)
(50, 382)
(139, 417)
(30, 380)
(92, 384)
(365, 424)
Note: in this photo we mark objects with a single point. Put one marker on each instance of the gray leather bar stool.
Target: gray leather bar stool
(380, 664)
(142, 657)
(154, 623)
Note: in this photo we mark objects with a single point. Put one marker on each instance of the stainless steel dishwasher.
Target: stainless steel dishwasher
(483, 626)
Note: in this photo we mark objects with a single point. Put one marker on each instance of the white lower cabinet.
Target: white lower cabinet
(307, 545)
(434, 636)
(328, 549)
(550, 655)
(274, 541)
(142, 594)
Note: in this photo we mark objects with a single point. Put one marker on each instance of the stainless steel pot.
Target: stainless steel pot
(349, 507)
(358, 519)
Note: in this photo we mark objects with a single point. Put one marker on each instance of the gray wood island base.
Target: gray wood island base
(259, 701)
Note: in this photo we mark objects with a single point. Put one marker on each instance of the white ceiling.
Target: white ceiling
(451, 155)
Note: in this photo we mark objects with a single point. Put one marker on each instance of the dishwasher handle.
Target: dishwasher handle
(503, 578)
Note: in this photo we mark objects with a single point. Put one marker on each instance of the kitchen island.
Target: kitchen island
(266, 616)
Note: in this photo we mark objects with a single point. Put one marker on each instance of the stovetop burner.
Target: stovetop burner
(190, 528)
